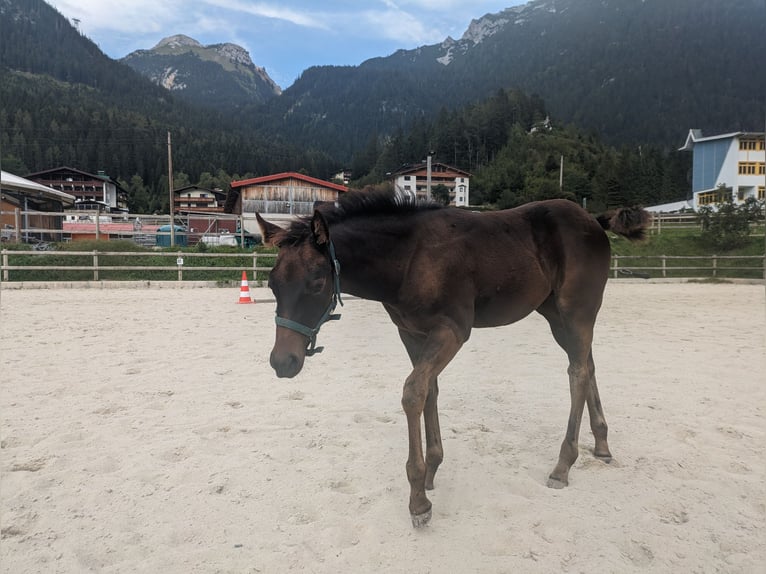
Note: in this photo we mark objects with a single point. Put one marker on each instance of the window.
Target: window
(750, 168)
(710, 197)
(751, 144)
(747, 144)
(761, 192)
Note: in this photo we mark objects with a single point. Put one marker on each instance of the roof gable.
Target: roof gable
(436, 167)
(289, 175)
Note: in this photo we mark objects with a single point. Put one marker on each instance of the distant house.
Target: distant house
(282, 194)
(203, 209)
(19, 197)
(92, 191)
(194, 199)
(733, 164)
(413, 179)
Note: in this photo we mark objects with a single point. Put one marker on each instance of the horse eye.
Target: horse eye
(316, 285)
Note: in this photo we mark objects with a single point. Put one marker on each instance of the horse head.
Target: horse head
(305, 283)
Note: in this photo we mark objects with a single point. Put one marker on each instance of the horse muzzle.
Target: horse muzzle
(286, 365)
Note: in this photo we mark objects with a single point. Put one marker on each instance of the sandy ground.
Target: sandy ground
(144, 431)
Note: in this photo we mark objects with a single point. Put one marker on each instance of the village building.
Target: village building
(92, 192)
(203, 211)
(279, 197)
(413, 179)
(724, 166)
(195, 199)
(24, 208)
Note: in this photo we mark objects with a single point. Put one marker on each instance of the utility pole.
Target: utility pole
(170, 193)
(428, 176)
(561, 174)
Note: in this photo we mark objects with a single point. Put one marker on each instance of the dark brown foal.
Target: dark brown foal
(440, 272)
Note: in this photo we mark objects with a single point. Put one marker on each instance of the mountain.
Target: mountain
(64, 102)
(218, 75)
(631, 71)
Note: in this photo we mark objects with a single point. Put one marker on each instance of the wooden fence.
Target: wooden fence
(180, 266)
(112, 265)
(719, 266)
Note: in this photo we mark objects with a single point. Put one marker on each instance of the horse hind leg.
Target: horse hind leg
(596, 413)
(575, 337)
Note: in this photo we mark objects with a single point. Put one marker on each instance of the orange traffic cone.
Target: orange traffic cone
(244, 290)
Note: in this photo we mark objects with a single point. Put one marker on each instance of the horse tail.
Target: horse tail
(630, 222)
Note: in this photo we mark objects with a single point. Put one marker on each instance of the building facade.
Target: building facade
(193, 199)
(23, 207)
(287, 194)
(726, 165)
(92, 191)
(412, 179)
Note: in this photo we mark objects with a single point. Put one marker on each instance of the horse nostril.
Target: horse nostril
(286, 366)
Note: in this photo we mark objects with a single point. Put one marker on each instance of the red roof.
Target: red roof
(289, 175)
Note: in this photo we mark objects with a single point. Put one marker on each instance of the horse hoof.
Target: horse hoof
(421, 520)
(556, 483)
(605, 458)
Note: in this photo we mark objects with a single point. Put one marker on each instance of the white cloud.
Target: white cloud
(138, 16)
(274, 11)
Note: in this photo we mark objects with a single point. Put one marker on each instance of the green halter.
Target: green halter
(328, 315)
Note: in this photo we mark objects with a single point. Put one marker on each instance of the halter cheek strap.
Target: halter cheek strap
(311, 333)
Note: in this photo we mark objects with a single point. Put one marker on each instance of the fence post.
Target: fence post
(5, 265)
(95, 265)
(17, 224)
(664, 265)
(179, 262)
(616, 265)
(255, 265)
(715, 265)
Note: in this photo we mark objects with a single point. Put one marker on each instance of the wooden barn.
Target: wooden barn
(282, 194)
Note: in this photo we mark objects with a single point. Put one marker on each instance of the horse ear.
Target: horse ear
(320, 228)
(271, 234)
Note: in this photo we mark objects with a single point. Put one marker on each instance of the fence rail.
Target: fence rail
(183, 265)
(99, 265)
(731, 266)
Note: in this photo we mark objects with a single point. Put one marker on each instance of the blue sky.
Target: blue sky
(283, 36)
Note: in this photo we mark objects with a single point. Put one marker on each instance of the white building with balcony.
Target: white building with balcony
(732, 163)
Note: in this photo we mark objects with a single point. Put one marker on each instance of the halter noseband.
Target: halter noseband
(328, 315)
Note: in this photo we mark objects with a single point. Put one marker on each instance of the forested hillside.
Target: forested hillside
(621, 81)
(633, 72)
(515, 154)
(65, 103)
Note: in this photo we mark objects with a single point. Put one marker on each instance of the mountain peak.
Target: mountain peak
(234, 53)
(177, 41)
(217, 74)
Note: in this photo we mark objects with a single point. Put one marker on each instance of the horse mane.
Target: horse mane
(354, 204)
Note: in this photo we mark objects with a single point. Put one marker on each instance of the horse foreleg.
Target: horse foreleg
(420, 398)
(434, 449)
(413, 403)
(579, 387)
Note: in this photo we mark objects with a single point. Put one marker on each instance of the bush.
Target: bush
(728, 227)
